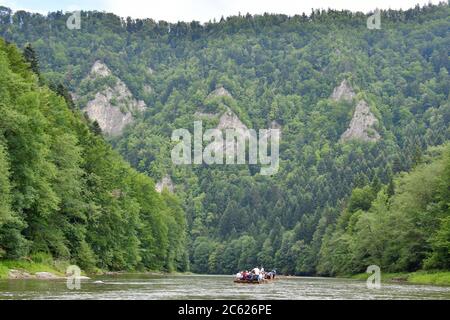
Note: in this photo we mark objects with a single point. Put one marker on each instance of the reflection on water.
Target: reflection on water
(213, 287)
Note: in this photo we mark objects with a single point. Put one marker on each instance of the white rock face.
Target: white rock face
(343, 92)
(114, 107)
(17, 274)
(220, 92)
(362, 125)
(100, 70)
(166, 182)
(205, 115)
(229, 120)
(110, 119)
(46, 276)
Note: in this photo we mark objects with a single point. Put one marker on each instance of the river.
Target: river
(197, 287)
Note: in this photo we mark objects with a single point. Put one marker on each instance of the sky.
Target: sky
(204, 10)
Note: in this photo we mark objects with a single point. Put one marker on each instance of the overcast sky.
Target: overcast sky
(204, 10)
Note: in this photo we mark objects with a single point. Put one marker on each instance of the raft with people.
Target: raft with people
(255, 276)
(247, 281)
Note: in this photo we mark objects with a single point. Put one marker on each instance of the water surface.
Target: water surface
(197, 287)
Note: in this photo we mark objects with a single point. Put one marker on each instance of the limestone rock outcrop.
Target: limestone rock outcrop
(165, 183)
(343, 92)
(362, 125)
(113, 107)
(220, 92)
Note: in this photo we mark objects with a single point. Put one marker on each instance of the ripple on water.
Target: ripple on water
(151, 287)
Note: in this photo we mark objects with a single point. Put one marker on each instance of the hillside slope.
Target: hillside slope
(66, 193)
(305, 74)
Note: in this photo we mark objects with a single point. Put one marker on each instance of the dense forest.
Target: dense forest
(337, 205)
(66, 193)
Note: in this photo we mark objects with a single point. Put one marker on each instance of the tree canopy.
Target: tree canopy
(66, 193)
(331, 197)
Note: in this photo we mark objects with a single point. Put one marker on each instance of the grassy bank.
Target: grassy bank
(37, 263)
(4, 271)
(440, 278)
(45, 263)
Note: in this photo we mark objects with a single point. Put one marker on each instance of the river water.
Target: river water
(196, 287)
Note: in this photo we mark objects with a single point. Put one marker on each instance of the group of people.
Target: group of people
(256, 274)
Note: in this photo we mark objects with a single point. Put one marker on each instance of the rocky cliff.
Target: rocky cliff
(343, 92)
(230, 120)
(362, 125)
(220, 92)
(165, 183)
(114, 106)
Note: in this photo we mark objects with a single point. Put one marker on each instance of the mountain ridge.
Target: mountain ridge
(279, 70)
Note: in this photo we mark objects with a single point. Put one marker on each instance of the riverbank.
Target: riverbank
(45, 268)
(438, 278)
(24, 269)
(214, 287)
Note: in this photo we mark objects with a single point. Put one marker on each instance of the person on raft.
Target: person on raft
(255, 274)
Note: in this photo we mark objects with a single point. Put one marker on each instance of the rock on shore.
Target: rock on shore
(23, 275)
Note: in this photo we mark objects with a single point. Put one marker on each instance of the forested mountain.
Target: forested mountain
(403, 226)
(356, 108)
(65, 192)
